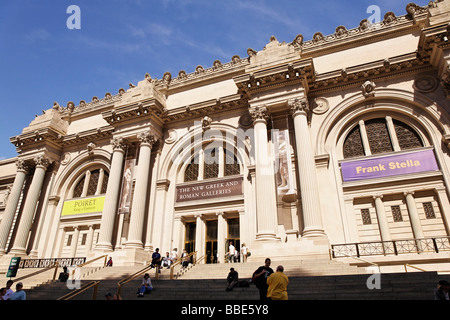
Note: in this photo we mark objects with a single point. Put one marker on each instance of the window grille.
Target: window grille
(396, 213)
(365, 215)
(429, 211)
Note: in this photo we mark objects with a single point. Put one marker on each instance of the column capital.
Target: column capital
(146, 138)
(118, 144)
(260, 113)
(42, 161)
(377, 196)
(408, 192)
(22, 166)
(299, 106)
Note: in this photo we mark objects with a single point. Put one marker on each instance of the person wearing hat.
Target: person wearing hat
(19, 294)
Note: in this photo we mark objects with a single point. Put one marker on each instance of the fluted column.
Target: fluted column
(112, 196)
(309, 190)
(266, 209)
(414, 215)
(382, 219)
(11, 205)
(26, 219)
(140, 191)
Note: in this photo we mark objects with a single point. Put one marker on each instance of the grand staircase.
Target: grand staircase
(309, 280)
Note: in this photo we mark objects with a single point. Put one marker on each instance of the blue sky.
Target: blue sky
(42, 61)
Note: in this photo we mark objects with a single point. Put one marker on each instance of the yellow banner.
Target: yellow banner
(85, 205)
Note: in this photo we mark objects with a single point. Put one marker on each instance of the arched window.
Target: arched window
(380, 135)
(212, 163)
(92, 183)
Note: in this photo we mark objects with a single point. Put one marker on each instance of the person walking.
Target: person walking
(277, 285)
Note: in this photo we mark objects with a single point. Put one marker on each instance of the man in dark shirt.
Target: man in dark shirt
(260, 276)
(232, 279)
(156, 260)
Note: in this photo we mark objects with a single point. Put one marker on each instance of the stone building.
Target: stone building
(339, 142)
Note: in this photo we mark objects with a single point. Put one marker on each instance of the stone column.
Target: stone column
(90, 238)
(26, 219)
(266, 208)
(382, 219)
(137, 216)
(309, 190)
(112, 196)
(199, 230)
(74, 245)
(11, 205)
(221, 230)
(444, 203)
(414, 215)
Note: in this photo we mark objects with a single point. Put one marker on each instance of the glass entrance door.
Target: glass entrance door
(189, 239)
(233, 237)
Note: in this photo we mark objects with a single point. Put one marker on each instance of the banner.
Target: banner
(407, 163)
(209, 190)
(81, 206)
(283, 163)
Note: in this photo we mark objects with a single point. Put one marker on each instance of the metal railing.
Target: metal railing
(54, 266)
(192, 255)
(87, 286)
(395, 247)
(359, 259)
(122, 282)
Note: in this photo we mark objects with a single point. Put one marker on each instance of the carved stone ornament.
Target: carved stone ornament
(172, 136)
(426, 84)
(206, 123)
(251, 52)
(42, 161)
(167, 77)
(146, 137)
(66, 158)
(259, 113)
(118, 143)
(22, 165)
(246, 121)
(235, 59)
(321, 105)
(341, 31)
(299, 105)
(368, 89)
(389, 17)
(91, 147)
(298, 41)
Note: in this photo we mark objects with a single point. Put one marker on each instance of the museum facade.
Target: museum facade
(339, 142)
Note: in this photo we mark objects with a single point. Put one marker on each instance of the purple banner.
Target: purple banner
(395, 165)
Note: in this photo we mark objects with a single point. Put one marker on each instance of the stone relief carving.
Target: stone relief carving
(91, 147)
(368, 89)
(172, 136)
(320, 106)
(251, 52)
(245, 121)
(66, 158)
(206, 123)
(426, 84)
